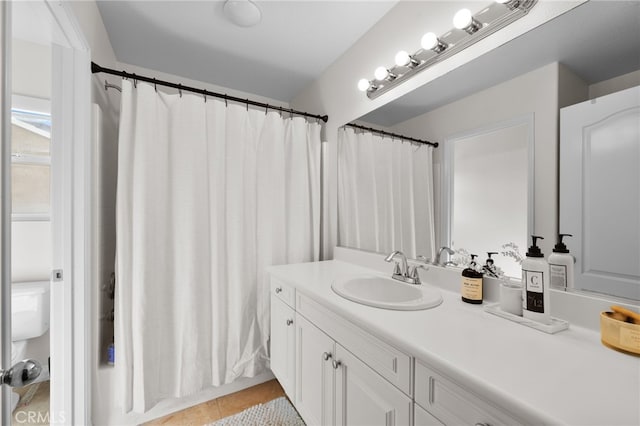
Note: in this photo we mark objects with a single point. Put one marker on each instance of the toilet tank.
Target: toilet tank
(29, 310)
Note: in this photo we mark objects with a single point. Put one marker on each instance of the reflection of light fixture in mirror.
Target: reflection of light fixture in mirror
(243, 13)
(430, 41)
(492, 18)
(463, 20)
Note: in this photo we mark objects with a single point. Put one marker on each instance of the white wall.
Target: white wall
(615, 84)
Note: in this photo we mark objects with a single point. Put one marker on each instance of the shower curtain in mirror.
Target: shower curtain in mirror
(385, 194)
(208, 195)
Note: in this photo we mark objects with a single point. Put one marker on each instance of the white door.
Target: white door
(314, 374)
(283, 351)
(600, 191)
(364, 398)
(52, 24)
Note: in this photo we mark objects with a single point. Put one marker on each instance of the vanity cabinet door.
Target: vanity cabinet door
(363, 397)
(453, 404)
(283, 350)
(314, 374)
(422, 417)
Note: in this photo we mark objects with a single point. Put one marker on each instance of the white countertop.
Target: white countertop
(566, 378)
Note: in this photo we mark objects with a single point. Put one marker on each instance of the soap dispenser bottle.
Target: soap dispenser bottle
(489, 265)
(472, 283)
(535, 279)
(561, 265)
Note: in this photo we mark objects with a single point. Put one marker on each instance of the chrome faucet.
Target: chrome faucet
(403, 272)
(444, 248)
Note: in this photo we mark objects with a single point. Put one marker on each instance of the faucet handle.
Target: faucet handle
(423, 259)
(413, 275)
(396, 269)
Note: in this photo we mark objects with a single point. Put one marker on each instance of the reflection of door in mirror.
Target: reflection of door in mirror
(488, 190)
(600, 191)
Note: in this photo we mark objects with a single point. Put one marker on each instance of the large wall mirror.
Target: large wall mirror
(529, 78)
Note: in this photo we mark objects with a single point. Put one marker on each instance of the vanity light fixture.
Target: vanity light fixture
(468, 29)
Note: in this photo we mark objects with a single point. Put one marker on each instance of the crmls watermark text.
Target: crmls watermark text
(37, 417)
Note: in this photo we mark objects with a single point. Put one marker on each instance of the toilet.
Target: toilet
(29, 319)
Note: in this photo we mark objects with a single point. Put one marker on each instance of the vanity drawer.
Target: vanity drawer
(452, 404)
(284, 292)
(389, 362)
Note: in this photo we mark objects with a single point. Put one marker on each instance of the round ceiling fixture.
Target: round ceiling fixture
(243, 13)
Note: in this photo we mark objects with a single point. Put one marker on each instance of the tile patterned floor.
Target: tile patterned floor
(222, 407)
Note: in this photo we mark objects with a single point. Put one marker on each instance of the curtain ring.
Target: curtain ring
(155, 86)
(226, 104)
(180, 89)
(266, 109)
(205, 97)
(247, 104)
(106, 85)
(135, 81)
(291, 113)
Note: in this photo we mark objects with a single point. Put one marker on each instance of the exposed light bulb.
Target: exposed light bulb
(381, 73)
(363, 84)
(462, 19)
(429, 41)
(402, 58)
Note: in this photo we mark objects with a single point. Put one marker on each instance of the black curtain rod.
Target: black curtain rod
(95, 68)
(394, 135)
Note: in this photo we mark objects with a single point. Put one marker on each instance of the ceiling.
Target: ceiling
(295, 42)
(597, 40)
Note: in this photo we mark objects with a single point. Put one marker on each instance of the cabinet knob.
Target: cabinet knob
(482, 424)
(326, 356)
(289, 321)
(336, 364)
(278, 290)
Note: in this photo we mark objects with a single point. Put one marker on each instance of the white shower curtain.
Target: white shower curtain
(208, 195)
(385, 194)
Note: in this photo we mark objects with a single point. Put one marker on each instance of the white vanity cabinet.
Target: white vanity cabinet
(337, 373)
(282, 345)
(334, 387)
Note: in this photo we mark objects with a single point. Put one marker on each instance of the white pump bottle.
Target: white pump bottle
(561, 267)
(535, 280)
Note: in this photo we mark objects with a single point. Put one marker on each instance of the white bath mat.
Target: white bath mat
(278, 412)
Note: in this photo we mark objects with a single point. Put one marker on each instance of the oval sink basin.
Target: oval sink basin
(387, 293)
